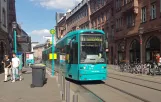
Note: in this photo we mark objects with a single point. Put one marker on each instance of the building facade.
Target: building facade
(11, 18)
(38, 49)
(33, 44)
(4, 43)
(137, 30)
(77, 18)
(23, 41)
(132, 27)
(61, 27)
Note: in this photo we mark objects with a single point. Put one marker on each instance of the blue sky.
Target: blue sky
(37, 17)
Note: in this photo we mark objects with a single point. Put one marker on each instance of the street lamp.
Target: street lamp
(141, 31)
(14, 26)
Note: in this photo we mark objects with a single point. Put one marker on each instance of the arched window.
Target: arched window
(135, 51)
(152, 48)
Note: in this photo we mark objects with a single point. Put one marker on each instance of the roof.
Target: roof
(39, 46)
(34, 42)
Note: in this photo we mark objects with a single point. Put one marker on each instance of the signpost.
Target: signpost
(52, 31)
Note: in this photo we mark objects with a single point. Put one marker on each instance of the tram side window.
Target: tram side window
(74, 54)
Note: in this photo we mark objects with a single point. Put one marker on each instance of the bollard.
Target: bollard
(59, 78)
(75, 98)
(63, 87)
(67, 91)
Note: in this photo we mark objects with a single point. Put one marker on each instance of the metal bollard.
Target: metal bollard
(59, 78)
(63, 87)
(67, 91)
(75, 98)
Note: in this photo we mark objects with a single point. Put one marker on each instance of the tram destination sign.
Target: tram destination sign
(91, 38)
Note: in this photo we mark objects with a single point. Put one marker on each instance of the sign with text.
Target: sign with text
(91, 38)
(22, 39)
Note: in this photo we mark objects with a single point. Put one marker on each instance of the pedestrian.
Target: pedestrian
(7, 68)
(15, 65)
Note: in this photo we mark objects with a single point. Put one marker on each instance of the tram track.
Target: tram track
(136, 84)
(112, 94)
(135, 78)
(128, 93)
(143, 93)
(113, 90)
(101, 100)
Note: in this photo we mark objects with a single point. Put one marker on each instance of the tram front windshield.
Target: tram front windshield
(92, 49)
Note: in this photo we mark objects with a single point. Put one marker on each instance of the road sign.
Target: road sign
(51, 56)
(52, 31)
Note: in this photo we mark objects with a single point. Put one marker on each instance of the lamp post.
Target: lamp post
(14, 26)
(52, 31)
(141, 31)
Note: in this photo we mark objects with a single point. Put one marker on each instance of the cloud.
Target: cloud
(41, 32)
(37, 35)
(57, 4)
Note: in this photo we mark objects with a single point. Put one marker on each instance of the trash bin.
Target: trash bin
(38, 75)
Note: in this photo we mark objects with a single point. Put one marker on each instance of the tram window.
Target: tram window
(74, 54)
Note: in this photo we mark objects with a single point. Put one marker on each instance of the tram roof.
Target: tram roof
(78, 32)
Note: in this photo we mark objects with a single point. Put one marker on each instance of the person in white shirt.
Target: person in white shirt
(15, 65)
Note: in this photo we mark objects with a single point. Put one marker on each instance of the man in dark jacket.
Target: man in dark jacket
(7, 67)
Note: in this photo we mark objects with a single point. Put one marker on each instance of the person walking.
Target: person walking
(15, 65)
(7, 68)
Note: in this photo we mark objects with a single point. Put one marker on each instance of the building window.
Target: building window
(143, 14)
(119, 23)
(112, 32)
(130, 20)
(112, 12)
(153, 11)
(118, 4)
(126, 1)
(99, 19)
(4, 17)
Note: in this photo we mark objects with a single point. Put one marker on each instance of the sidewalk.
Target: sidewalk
(114, 70)
(20, 91)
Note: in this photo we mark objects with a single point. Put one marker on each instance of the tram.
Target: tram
(81, 55)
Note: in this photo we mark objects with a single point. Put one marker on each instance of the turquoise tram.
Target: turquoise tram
(81, 55)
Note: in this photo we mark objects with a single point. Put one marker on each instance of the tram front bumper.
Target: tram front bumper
(87, 75)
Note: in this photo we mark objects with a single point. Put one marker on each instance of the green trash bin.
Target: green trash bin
(38, 75)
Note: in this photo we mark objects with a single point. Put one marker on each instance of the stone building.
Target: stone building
(77, 18)
(38, 51)
(132, 27)
(4, 42)
(11, 18)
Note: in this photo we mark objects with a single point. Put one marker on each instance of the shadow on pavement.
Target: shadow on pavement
(86, 82)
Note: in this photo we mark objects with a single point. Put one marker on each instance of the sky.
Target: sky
(37, 17)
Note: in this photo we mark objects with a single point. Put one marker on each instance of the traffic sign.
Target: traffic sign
(52, 31)
(51, 55)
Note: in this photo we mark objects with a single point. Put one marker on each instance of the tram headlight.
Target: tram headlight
(104, 67)
(82, 67)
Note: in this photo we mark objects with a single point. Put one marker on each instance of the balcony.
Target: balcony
(131, 6)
